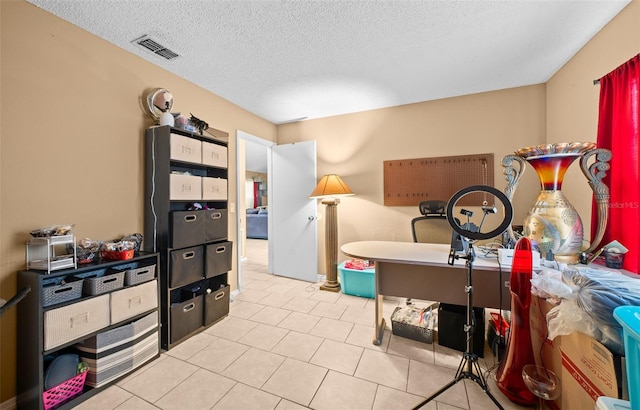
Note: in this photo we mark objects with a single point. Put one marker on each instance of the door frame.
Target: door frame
(240, 159)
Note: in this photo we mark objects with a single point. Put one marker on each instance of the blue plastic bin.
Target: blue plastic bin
(357, 282)
(629, 318)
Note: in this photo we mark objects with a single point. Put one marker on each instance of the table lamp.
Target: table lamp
(330, 187)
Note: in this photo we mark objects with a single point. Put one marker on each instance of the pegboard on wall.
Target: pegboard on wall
(407, 182)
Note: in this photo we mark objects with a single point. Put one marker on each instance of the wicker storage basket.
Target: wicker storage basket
(139, 275)
(413, 328)
(103, 284)
(68, 289)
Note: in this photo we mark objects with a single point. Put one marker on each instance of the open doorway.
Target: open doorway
(253, 192)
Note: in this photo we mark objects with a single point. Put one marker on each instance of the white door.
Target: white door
(293, 230)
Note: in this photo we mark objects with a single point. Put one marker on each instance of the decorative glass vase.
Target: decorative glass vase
(519, 352)
(552, 224)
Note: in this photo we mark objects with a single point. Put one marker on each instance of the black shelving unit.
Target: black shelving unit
(52, 326)
(186, 221)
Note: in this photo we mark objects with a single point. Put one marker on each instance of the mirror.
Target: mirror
(159, 101)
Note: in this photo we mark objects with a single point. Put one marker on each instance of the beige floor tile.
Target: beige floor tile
(363, 336)
(385, 369)
(264, 337)
(411, 349)
(298, 346)
(305, 290)
(479, 400)
(300, 322)
(243, 397)
(255, 284)
(299, 304)
(136, 403)
(444, 356)
(296, 381)
(326, 296)
(388, 398)
(276, 299)
(270, 315)
(252, 295)
(231, 328)
(192, 346)
(332, 329)
(244, 310)
(158, 380)
(289, 405)
(330, 310)
(201, 390)
(280, 288)
(337, 356)
(108, 399)
(254, 367)
(350, 300)
(218, 356)
(360, 315)
(341, 391)
(426, 379)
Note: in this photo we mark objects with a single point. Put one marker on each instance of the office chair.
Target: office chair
(432, 226)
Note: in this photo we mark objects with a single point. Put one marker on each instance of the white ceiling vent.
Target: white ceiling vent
(151, 45)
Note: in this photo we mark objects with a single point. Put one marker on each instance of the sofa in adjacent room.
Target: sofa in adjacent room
(257, 219)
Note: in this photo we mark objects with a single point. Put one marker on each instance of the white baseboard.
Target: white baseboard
(9, 404)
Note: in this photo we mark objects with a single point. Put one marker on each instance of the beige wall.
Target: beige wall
(72, 140)
(355, 146)
(572, 99)
(76, 157)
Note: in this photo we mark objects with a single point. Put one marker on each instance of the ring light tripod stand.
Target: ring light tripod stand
(470, 232)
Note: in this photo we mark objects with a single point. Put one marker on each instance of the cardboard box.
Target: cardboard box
(585, 367)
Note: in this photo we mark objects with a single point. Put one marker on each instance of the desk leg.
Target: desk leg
(380, 324)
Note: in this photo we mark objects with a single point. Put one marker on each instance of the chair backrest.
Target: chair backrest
(432, 226)
(431, 229)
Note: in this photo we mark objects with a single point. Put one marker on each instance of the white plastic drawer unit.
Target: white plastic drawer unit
(214, 154)
(70, 322)
(214, 189)
(132, 301)
(185, 187)
(185, 149)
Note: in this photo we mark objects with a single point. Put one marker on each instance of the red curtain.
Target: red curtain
(618, 131)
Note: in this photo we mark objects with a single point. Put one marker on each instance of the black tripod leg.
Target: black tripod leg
(436, 394)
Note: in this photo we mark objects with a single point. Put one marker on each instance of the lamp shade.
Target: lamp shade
(331, 185)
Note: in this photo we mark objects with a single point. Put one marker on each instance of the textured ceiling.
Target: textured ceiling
(286, 60)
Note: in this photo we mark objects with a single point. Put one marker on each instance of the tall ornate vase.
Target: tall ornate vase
(552, 224)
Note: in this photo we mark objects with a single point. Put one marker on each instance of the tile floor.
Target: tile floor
(287, 345)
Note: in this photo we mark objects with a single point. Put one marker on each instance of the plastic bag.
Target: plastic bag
(587, 303)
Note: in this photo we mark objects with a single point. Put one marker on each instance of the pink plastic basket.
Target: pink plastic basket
(64, 391)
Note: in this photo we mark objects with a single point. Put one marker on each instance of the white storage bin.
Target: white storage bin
(132, 301)
(214, 155)
(185, 187)
(70, 322)
(214, 189)
(185, 149)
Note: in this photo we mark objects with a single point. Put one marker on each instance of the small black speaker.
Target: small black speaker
(451, 321)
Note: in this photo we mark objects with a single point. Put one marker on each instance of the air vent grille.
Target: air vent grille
(155, 47)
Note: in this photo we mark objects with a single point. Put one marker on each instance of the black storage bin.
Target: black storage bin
(218, 258)
(186, 266)
(186, 314)
(215, 225)
(216, 305)
(451, 321)
(187, 228)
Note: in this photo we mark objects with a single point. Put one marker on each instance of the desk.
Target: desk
(420, 271)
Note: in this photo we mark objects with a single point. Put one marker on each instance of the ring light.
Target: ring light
(508, 212)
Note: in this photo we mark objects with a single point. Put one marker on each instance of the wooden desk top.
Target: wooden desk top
(432, 254)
